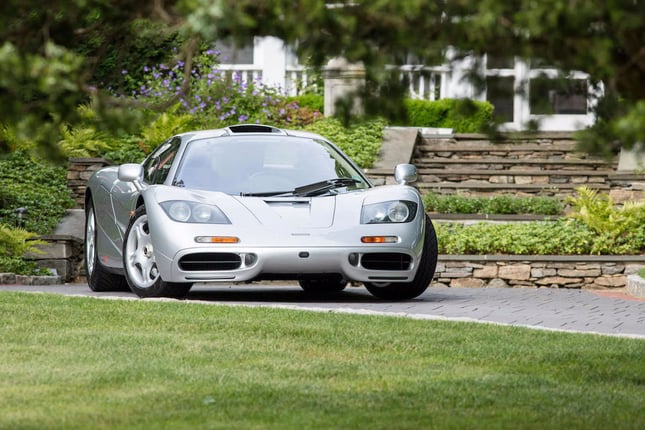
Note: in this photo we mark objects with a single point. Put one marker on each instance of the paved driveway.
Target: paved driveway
(544, 308)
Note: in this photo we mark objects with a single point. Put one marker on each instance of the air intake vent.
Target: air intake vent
(210, 261)
(386, 261)
(254, 128)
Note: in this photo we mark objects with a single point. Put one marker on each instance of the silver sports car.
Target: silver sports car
(250, 203)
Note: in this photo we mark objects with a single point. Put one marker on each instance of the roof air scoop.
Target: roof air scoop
(253, 128)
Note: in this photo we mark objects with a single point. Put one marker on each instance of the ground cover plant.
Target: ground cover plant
(499, 204)
(594, 226)
(77, 363)
(39, 191)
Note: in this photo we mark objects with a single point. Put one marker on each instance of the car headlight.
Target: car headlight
(395, 211)
(193, 212)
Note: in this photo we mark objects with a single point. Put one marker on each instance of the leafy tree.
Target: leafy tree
(44, 73)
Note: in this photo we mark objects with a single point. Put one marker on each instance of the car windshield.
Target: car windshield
(264, 165)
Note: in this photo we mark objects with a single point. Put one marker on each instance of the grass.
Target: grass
(641, 272)
(82, 363)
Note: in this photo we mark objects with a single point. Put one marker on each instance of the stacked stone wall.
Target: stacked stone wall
(558, 272)
(78, 172)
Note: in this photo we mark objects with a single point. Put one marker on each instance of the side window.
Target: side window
(157, 166)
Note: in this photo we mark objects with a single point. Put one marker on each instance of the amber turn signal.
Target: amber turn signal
(379, 239)
(217, 239)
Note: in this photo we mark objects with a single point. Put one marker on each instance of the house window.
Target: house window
(493, 62)
(548, 96)
(500, 93)
(231, 54)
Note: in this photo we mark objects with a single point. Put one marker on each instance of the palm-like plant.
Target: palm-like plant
(614, 224)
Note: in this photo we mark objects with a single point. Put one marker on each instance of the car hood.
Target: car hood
(312, 212)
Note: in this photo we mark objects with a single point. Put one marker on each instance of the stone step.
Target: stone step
(445, 145)
(509, 163)
(475, 187)
(518, 171)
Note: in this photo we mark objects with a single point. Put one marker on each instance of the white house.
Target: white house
(520, 92)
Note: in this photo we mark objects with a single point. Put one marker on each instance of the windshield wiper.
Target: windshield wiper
(268, 194)
(324, 186)
(309, 190)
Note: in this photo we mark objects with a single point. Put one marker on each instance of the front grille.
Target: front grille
(210, 261)
(386, 261)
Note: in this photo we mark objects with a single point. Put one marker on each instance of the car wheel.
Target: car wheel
(323, 286)
(427, 266)
(98, 277)
(140, 264)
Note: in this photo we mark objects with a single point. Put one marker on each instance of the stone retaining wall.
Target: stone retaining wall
(78, 172)
(60, 253)
(584, 272)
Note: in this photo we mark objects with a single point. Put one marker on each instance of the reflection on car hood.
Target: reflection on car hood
(296, 212)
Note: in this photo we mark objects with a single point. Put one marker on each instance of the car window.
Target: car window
(253, 164)
(157, 166)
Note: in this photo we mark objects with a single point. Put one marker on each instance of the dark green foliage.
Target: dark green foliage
(313, 101)
(36, 186)
(533, 238)
(142, 43)
(595, 227)
(21, 267)
(463, 116)
(361, 141)
(500, 204)
(619, 229)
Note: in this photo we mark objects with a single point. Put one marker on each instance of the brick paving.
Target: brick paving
(588, 311)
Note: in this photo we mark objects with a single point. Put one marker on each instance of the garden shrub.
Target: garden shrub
(36, 186)
(220, 98)
(617, 228)
(14, 243)
(531, 238)
(313, 101)
(500, 204)
(361, 141)
(462, 115)
(594, 227)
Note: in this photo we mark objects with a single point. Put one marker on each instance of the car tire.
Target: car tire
(423, 278)
(140, 264)
(323, 286)
(99, 278)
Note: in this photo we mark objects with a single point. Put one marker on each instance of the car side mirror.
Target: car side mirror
(405, 174)
(130, 172)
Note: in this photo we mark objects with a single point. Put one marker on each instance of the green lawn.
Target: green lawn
(83, 363)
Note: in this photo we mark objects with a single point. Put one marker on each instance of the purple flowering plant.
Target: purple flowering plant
(216, 97)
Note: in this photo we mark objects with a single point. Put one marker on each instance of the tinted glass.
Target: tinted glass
(500, 93)
(157, 166)
(558, 96)
(256, 164)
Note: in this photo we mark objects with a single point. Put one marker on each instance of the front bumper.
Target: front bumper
(295, 263)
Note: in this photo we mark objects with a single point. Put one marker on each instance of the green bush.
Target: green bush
(14, 243)
(19, 266)
(595, 227)
(532, 238)
(500, 204)
(617, 228)
(361, 141)
(36, 186)
(462, 115)
(313, 101)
